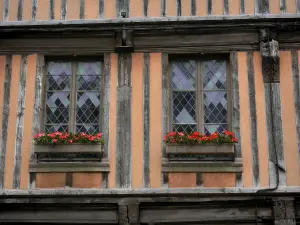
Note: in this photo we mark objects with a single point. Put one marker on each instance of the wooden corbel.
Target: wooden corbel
(269, 50)
(124, 41)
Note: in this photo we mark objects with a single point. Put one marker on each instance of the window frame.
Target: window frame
(199, 59)
(73, 91)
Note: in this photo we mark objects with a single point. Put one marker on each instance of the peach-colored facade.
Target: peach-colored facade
(175, 179)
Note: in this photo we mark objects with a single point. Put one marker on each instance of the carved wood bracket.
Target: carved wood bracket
(269, 50)
(124, 41)
(284, 212)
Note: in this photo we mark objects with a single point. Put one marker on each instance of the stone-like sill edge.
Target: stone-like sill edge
(44, 167)
(294, 190)
(202, 166)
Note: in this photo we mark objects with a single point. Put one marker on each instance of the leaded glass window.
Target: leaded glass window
(73, 96)
(200, 92)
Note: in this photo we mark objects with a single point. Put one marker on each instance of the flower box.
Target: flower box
(68, 152)
(215, 152)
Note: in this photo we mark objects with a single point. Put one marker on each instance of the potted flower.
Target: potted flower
(196, 146)
(68, 145)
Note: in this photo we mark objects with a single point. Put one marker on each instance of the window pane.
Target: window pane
(184, 96)
(58, 85)
(210, 129)
(186, 128)
(214, 75)
(88, 97)
(215, 107)
(184, 75)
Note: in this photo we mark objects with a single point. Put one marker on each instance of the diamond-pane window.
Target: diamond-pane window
(200, 96)
(73, 96)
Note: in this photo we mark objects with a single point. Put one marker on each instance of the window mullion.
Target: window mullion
(72, 121)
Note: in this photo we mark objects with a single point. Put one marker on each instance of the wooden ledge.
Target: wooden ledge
(202, 166)
(44, 167)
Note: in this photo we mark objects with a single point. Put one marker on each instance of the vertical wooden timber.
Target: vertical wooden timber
(295, 67)
(253, 120)
(178, 7)
(163, 8)
(146, 120)
(165, 180)
(20, 10)
(298, 6)
(239, 180)
(101, 9)
(20, 124)
(124, 122)
(235, 102)
(32, 180)
(258, 6)
(265, 6)
(209, 7)
(64, 10)
(38, 95)
(51, 9)
(165, 97)
(193, 7)
(199, 179)
(145, 4)
(283, 6)
(6, 10)
(226, 7)
(275, 135)
(5, 118)
(106, 111)
(242, 5)
(34, 9)
(82, 9)
(69, 179)
(104, 180)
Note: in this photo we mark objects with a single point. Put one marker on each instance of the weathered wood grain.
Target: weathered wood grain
(274, 126)
(235, 102)
(32, 180)
(283, 6)
(296, 80)
(253, 120)
(165, 97)
(20, 124)
(226, 7)
(64, 9)
(146, 120)
(124, 121)
(20, 10)
(145, 7)
(199, 179)
(209, 7)
(69, 179)
(178, 7)
(38, 95)
(51, 9)
(193, 7)
(82, 9)
(101, 9)
(165, 180)
(5, 10)
(5, 118)
(106, 111)
(163, 7)
(34, 9)
(242, 6)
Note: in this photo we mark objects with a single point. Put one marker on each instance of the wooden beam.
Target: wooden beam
(193, 7)
(146, 120)
(101, 9)
(51, 10)
(283, 6)
(163, 8)
(64, 9)
(34, 9)
(20, 124)
(82, 9)
(178, 6)
(5, 118)
(124, 122)
(209, 7)
(298, 6)
(296, 80)
(5, 10)
(274, 127)
(226, 7)
(145, 6)
(20, 10)
(253, 120)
